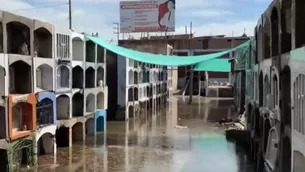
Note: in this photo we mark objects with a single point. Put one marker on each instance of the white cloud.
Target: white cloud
(74, 1)
(212, 13)
(90, 18)
(199, 4)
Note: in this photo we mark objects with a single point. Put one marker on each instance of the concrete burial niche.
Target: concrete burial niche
(91, 48)
(100, 101)
(100, 76)
(63, 106)
(101, 54)
(131, 111)
(46, 112)
(78, 105)
(46, 109)
(90, 127)
(77, 132)
(90, 77)
(63, 57)
(78, 47)
(62, 136)
(44, 66)
(18, 34)
(4, 81)
(63, 78)
(130, 77)
(63, 42)
(90, 102)
(1, 33)
(43, 39)
(20, 73)
(3, 119)
(22, 115)
(101, 121)
(45, 140)
(78, 77)
(44, 75)
(130, 93)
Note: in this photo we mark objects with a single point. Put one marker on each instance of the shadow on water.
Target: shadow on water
(157, 143)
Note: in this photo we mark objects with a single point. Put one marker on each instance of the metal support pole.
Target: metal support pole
(70, 14)
(191, 79)
(199, 82)
(191, 84)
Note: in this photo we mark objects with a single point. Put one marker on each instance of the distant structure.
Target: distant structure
(187, 45)
(142, 87)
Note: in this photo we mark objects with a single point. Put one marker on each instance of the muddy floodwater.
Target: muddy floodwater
(181, 138)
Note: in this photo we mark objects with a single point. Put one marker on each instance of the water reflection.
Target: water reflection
(154, 143)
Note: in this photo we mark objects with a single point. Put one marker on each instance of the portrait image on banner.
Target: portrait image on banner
(147, 16)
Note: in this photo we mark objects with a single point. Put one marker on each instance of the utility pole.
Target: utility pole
(191, 68)
(116, 30)
(70, 15)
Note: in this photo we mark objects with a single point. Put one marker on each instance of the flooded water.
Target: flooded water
(155, 143)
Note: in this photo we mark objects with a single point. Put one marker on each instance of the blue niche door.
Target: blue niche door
(45, 112)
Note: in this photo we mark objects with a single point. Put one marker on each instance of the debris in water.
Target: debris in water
(238, 124)
(223, 120)
(180, 127)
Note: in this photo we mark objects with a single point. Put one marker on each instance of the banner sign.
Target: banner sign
(147, 16)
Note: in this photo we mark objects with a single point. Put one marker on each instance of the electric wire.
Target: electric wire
(40, 7)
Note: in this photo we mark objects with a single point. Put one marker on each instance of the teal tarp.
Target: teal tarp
(214, 65)
(241, 55)
(159, 59)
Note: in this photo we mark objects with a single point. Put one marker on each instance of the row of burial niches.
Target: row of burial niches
(89, 75)
(17, 36)
(146, 75)
(23, 38)
(81, 104)
(137, 64)
(48, 110)
(135, 93)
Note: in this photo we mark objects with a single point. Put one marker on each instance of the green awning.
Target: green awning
(214, 65)
(160, 59)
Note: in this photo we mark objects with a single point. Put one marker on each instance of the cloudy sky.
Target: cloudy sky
(229, 17)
